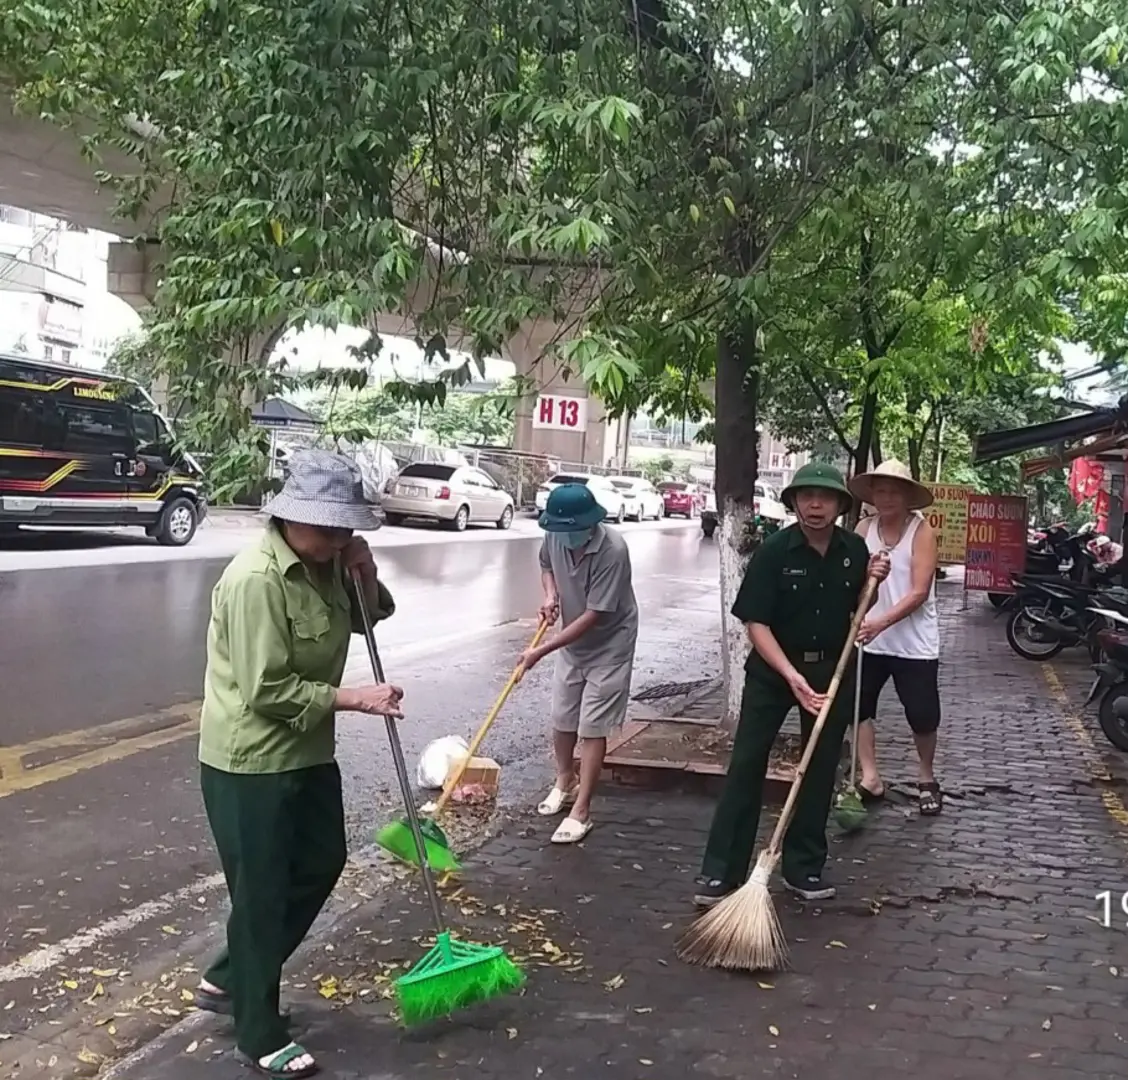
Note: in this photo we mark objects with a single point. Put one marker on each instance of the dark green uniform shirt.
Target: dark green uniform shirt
(806, 599)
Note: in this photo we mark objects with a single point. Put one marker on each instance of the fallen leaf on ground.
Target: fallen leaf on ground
(187, 995)
(766, 986)
(643, 1012)
(1039, 937)
(88, 1057)
(1047, 1024)
(169, 930)
(112, 1029)
(192, 1047)
(104, 973)
(1114, 972)
(1034, 1055)
(871, 1008)
(645, 1061)
(70, 984)
(837, 945)
(773, 1029)
(614, 982)
(511, 1032)
(4, 1036)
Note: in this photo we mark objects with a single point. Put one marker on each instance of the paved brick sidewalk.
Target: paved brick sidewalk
(965, 946)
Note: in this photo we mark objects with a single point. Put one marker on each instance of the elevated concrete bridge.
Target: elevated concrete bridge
(43, 169)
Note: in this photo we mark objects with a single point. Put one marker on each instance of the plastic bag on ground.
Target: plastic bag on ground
(437, 758)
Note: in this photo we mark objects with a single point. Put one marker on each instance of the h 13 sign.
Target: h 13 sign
(559, 413)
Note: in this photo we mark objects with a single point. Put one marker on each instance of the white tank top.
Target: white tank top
(917, 636)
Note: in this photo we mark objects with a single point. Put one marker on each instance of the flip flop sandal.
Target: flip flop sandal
(931, 799)
(220, 1004)
(276, 1064)
(868, 796)
(557, 800)
(571, 831)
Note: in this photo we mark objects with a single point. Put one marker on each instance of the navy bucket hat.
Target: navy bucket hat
(570, 508)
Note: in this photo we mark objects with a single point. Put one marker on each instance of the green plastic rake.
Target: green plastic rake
(452, 974)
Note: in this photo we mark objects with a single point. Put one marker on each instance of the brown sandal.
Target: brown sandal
(931, 799)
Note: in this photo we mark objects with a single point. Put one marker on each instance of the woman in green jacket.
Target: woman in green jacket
(282, 616)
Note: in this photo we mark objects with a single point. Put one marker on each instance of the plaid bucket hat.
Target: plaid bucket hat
(326, 490)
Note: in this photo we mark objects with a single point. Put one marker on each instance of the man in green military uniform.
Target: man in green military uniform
(798, 597)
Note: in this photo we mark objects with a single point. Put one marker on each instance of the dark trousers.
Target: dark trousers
(281, 841)
(763, 709)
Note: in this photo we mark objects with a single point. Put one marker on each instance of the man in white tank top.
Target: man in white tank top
(901, 635)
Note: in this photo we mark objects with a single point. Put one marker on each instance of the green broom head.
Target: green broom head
(398, 840)
(453, 975)
(849, 811)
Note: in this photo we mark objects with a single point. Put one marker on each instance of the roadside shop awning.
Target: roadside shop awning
(1083, 435)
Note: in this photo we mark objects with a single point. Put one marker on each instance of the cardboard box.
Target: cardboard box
(480, 781)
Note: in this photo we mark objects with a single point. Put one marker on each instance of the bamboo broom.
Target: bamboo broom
(742, 933)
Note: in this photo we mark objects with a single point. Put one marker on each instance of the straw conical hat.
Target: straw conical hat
(862, 485)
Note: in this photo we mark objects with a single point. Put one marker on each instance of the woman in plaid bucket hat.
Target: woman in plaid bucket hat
(282, 616)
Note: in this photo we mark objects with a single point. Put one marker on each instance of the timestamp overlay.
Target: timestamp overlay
(1112, 909)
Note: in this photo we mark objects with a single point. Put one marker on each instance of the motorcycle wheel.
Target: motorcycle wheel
(1018, 638)
(1115, 729)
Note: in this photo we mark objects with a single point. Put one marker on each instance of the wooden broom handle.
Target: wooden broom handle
(476, 742)
(788, 813)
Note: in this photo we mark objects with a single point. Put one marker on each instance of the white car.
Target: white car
(606, 494)
(643, 500)
(451, 495)
(765, 502)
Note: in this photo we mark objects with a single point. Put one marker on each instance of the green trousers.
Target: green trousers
(281, 841)
(763, 709)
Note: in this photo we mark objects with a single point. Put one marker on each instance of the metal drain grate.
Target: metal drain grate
(671, 689)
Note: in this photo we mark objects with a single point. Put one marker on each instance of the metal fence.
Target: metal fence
(521, 473)
(518, 473)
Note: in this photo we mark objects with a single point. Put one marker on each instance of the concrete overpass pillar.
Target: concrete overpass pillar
(133, 271)
(598, 440)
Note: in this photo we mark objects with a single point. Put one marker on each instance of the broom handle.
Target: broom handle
(476, 742)
(820, 721)
(400, 764)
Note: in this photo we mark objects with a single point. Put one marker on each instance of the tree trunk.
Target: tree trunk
(738, 446)
(938, 449)
(867, 429)
(914, 456)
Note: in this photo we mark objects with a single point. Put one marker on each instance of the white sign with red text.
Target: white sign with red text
(559, 413)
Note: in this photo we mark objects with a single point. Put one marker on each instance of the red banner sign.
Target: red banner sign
(996, 541)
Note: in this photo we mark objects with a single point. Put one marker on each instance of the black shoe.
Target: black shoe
(811, 888)
(710, 891)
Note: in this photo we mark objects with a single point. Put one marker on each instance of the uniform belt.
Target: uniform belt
(810, 657)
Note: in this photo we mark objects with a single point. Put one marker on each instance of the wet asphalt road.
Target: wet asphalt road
(107, 863)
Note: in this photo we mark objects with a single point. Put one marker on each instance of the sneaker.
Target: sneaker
(811, 888)
(710, 891)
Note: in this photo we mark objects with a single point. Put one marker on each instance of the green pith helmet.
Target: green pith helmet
(817, 475)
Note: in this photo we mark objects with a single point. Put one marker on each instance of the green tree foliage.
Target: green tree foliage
(463, 419)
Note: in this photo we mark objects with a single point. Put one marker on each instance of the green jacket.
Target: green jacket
(277, 646)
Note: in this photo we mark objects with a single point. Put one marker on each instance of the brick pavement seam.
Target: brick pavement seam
(1111, 801)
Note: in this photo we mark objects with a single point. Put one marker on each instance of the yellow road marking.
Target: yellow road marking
(17, 775)
(1113, 803)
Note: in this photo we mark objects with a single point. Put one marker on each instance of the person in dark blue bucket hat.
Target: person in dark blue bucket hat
(586, 575)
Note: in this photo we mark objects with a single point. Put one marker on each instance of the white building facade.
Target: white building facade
(53, 299)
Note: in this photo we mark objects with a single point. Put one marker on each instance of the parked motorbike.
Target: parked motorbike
(1051, 614)
(1111, 681)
